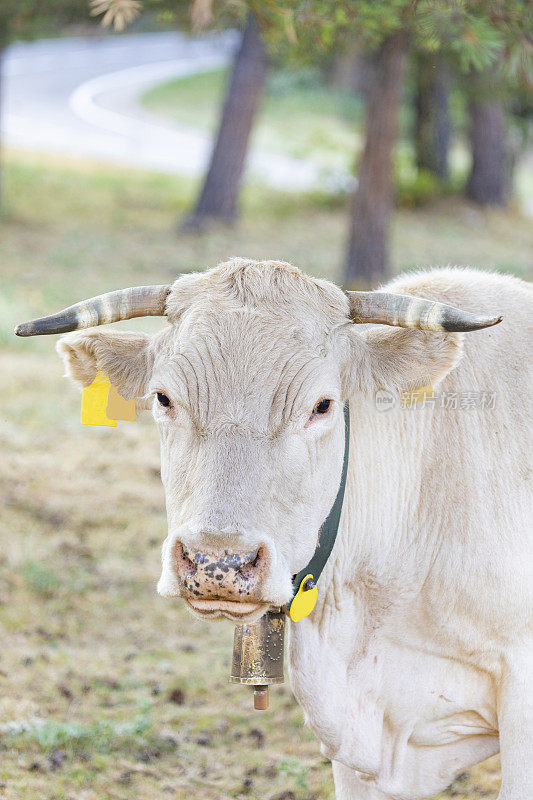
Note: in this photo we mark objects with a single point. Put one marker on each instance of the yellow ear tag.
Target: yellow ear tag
(118, 408)
(303, 601)
(94, 403)
(409, 398)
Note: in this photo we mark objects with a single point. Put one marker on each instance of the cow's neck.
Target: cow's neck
(383, 544)
(379, 559)
(366, 666)
(376, 565)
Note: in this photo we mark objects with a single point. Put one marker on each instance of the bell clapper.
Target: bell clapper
(260, 698)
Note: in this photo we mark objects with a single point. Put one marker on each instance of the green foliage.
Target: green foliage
(477, 33)
(29, 19)
(454, 27)
(192, 14)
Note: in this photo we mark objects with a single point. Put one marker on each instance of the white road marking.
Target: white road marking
(79, 97)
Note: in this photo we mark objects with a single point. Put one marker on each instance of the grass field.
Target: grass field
(299, 115)
(109, 691)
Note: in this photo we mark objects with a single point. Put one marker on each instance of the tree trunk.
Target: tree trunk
(432, 126)
(367, 258)
(219, 195)
(489, 178)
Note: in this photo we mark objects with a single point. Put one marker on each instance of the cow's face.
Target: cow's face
(247, 386)
(250, 417)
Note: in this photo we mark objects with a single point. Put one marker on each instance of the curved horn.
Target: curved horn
(406, 311)
(137, 301)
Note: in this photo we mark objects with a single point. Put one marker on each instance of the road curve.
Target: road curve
(79, 97)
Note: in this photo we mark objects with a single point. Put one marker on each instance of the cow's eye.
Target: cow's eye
(163, 399)
(322, 407)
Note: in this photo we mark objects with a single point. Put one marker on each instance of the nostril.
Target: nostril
(182, 562)
(251, 564)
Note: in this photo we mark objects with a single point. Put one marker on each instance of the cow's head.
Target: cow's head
(247, 385)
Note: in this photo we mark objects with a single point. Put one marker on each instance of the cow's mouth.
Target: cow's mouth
(228, 609)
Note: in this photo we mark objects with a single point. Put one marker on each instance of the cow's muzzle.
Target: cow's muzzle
(221, 583)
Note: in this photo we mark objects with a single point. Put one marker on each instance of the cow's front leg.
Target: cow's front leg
(350, 785)
(515, 719)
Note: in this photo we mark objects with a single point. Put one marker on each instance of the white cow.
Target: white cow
(417, 661)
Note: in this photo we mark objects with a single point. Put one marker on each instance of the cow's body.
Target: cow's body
(429, 590)
(418, 658)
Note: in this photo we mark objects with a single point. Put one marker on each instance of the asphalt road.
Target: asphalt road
(79, 97)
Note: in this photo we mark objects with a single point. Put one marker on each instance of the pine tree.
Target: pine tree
(372, 202)
(220, 190)
(432, 120)
(471, 34)
(487, 183)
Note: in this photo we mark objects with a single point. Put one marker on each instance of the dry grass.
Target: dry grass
(107, 690)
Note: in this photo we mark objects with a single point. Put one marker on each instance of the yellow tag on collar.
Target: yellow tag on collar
(94, 403)
(303, 601)
(118, 408)
(409, 398)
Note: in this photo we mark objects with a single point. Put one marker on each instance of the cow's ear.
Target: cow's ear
(403, 359)
(125, 357)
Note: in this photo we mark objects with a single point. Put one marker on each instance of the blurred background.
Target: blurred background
(140, 140)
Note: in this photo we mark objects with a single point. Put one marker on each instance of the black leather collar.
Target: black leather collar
(328, 531)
